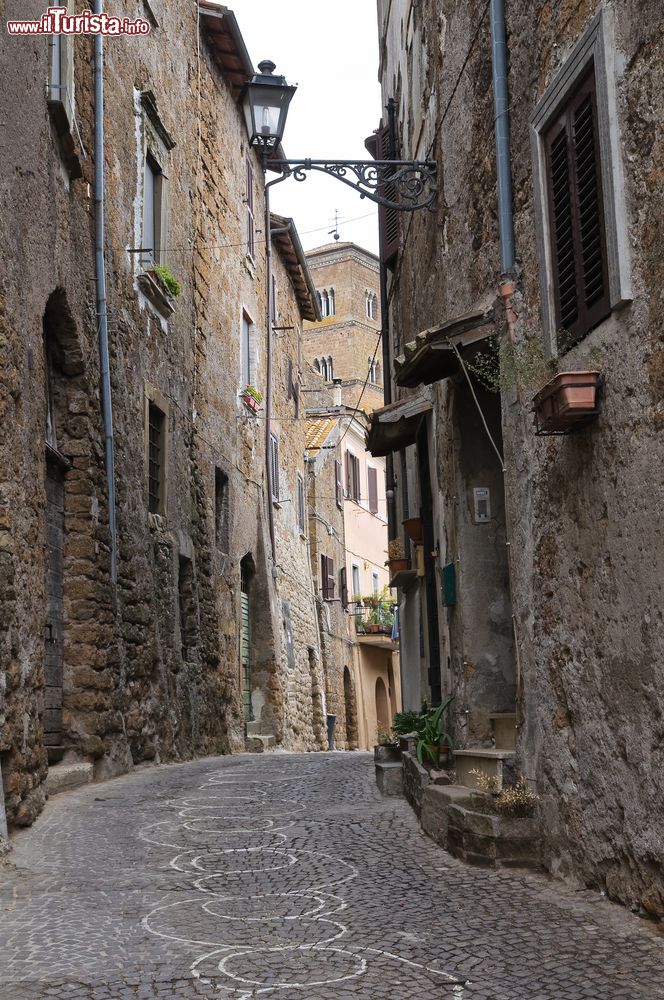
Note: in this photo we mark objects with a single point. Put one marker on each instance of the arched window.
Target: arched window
(332, 306)
(325, 309)
(330, 369)
(317, 365)
(373, 370)
(320, 302)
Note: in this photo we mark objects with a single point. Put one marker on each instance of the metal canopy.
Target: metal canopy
(395, 426)
(431, 357)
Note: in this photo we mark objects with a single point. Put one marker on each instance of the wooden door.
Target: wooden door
(245, 651)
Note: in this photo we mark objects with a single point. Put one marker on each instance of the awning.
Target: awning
(430, 357)
(395, 426)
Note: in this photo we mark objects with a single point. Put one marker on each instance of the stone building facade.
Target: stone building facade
(150, 660)
(344, 343)
(543, 594)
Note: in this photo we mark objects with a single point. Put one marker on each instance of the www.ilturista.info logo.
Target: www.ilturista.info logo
(58, 21)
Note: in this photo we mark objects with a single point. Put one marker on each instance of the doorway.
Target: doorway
(245, 637)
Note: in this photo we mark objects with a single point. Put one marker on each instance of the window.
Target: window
(221, 510)
(156, 454)
(375, 584)
(355, 571)
(338, 485)
(578, 239)
(156, 423)
(249, 201)
(372, 479)
(343, 588)
(371, 302)
(327, 578)
(60, 95)
(373, 370)
(352, 477)
(246, 344)
(301, 504)
(326, 302)
(274, 466)
(157, 144)
(330, 369)
(582, 231)
(152, 190)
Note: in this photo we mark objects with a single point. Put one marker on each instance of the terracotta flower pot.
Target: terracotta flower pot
(250, 402)
(567, 402)
(398, 565)
(413, 527)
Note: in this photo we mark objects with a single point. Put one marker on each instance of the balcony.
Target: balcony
(373, 623)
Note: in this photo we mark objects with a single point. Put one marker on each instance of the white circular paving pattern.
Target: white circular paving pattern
(266, 915)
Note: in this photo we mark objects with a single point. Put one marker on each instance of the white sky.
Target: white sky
(331, 52)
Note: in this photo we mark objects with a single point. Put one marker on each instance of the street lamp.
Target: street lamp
(400, 185)
(265, 101)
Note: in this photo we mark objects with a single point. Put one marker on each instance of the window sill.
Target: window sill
(155, 294)
(58, 114)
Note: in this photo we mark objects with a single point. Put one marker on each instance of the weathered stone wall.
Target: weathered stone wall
(152, 672)
(582, 511)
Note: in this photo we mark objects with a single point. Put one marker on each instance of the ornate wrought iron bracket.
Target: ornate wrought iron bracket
(403, 185)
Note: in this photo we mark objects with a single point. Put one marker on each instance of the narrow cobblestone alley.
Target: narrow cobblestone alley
(289, 876)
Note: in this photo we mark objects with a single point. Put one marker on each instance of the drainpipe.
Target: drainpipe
(506, 235)
(387, 354)
(100, 274)
(502, 124)
(269, 233)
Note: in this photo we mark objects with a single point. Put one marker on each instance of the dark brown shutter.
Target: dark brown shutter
(331, 583)
(338, 485)
(378, 146)
(274, 448)
(578, 240)
(343, 587)
(327, 578)
(349, 484)
(373, 490)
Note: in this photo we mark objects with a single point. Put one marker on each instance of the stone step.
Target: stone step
(503, 725)
(66, 777)
(389, 777)
(492, 761)
(259, 742)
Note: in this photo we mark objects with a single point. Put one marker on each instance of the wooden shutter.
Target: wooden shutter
(378, 146)
(327, 578)
(578, 239)
(300, 502)
(343, 587)
(251, 226)
(372, 477)
(338, 485)
(349, 491)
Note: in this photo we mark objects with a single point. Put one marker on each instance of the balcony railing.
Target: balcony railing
(372, 619)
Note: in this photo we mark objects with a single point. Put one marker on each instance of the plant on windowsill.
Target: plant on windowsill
(251, 398)
(396, 557)
(168, 282)
(155, 288)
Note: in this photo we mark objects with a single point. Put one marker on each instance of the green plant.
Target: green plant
(254, 393)
(432, 735)
(381, 614)
(172, 284)
(406, 722)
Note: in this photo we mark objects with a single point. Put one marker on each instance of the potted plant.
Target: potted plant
(433, 740)
(396, 557)
(251, 398)
(567, 402)
(388, 747)
(168, 282)
(413, 528)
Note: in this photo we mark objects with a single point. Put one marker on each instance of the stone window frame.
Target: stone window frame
(61, 98)
(595, 48)
(153, 395)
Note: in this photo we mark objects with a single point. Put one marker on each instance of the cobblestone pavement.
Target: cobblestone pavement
(288, 877)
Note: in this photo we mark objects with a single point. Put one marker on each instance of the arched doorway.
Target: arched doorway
(351, 711)
(383, 716)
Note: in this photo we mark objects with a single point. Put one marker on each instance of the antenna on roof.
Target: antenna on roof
(335, 232)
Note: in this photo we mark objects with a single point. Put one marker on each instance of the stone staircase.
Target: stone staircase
(256, 741)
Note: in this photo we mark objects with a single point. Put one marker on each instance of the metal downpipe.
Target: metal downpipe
(502, 126)
(100, 274)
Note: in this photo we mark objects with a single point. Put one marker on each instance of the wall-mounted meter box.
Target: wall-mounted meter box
(482, 504)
